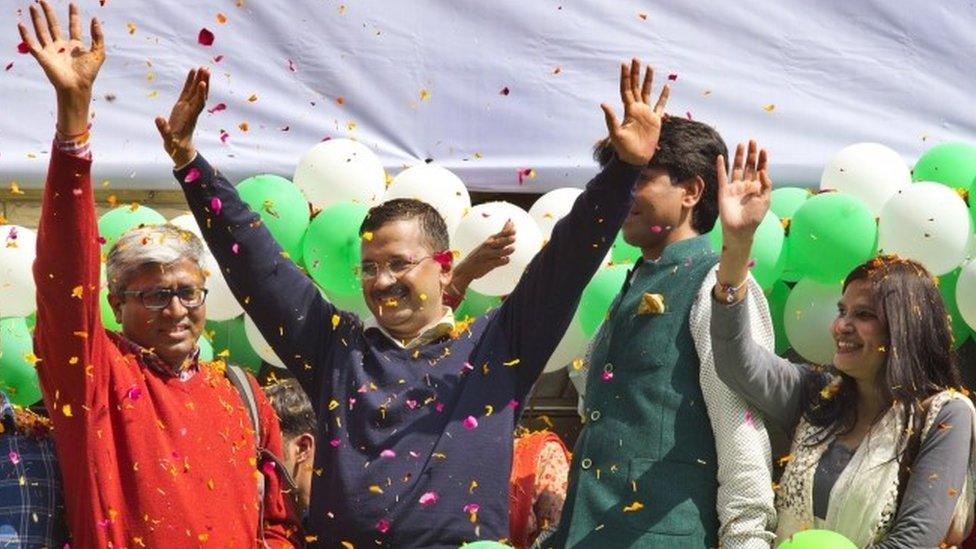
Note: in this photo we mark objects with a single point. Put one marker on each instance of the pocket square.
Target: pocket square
(651, 304)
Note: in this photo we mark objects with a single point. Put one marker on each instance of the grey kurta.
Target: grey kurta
(775, 386)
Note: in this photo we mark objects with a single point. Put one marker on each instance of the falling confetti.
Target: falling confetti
(221, 18)
(470, 422)
(23, 48)
(636, 506)
(769, 107)
(131, 27)
(216, 205)
(192, 175)
(429, 498)
(383, 526)
(424, 95)
(205, 38)
(505, 91)
(217, 108)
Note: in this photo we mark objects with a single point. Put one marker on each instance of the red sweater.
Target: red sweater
(147, 460)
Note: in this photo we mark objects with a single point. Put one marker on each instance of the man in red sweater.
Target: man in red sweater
(156, 447)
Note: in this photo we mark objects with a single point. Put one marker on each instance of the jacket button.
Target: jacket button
(586, 463)
(594, 415)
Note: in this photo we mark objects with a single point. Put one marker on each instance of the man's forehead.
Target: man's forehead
(403, 237)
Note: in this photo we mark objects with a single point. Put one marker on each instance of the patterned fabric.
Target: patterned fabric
(152, 360)
(540, 472)
(863, 502)
(745, 495)
(31, 502)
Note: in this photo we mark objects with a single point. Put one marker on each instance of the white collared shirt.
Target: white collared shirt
(435, 330)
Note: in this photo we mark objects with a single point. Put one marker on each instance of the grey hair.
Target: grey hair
(150, 245)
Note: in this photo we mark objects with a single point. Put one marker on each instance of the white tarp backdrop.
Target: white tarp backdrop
(427, 79)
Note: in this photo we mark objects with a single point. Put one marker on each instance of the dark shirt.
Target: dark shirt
(415, 445)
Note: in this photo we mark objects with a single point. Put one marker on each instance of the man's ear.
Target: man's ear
(694, 189)
(304, 448)
(116, 303)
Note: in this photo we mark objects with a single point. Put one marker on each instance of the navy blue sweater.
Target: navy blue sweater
(401, 462)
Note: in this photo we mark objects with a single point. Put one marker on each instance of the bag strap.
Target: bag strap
(238, 379)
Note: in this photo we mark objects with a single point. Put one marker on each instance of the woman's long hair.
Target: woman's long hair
(919, 360)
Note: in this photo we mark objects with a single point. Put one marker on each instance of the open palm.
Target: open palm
(635, 139)
(69, 64)
(177, 130)
(743, 201)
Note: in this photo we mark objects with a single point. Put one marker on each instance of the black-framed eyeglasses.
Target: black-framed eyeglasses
(397, 267)
(190, 297)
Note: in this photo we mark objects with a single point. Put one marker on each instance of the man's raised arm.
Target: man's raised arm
(540, 308)
(283, 302)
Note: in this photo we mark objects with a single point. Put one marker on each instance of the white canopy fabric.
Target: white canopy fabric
(490, 89)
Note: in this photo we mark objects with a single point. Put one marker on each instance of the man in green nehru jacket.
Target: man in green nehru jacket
(668, 456)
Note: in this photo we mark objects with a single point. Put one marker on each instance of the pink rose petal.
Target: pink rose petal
(133, 393)
(748, 418)
(429, 498)
(672, 77)
(23, 48)
(471, 508)
(235, 248)
(292, 66)
(14, 457)
(513, 404)
(383, 526)
(606, 376)
(439, 406)
(192, 175)
(224, 136)
(217, 108)
(216, 205)
(335, 443)
(470, 422)
(412, 404)
(218, 59)
(205, 38)
(657, 229)
(9, 66)
(387, 454)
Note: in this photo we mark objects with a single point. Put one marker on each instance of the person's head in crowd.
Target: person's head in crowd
(297, 422)
(892, 337)
(156, 289)
(677, 195)
(406, 265)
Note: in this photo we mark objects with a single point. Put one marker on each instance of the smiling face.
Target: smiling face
(408, 299)
(172, 332)
(860, 336)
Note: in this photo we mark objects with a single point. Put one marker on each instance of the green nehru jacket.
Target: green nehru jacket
(644, 468)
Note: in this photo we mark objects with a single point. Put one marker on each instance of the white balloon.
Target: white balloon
(221, 303)
(553, 206)
(570, 348)
(259, 344)
(436, 186)
(18, 248)
(927, 222)
(483, 221)
(869, 171)
(810, 309)
(337, 170)
(966, 292)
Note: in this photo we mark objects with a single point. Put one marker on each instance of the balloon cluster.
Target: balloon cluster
(870, 202)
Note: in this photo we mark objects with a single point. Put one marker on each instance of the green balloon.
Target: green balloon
(332, 248)
(18, 377)
(947, 287)
(952, 164)
(817, 539)
(830, 235)
(282, 208)
(621, 252)
(787, 200)
(31, 320)
(790, 272)
(767, 249)
(114, 223)
(599, 295)
(475, 305)
(228, 335)
(776, 296)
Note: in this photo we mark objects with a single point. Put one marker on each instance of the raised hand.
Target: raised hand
(68, 63)
(177, 132)
(743, 201)
(635, 139)
(488, 256)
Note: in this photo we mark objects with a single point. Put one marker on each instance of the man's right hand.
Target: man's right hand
(177, 132)
(68, 63)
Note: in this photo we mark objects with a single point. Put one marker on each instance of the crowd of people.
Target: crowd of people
(399, 432)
